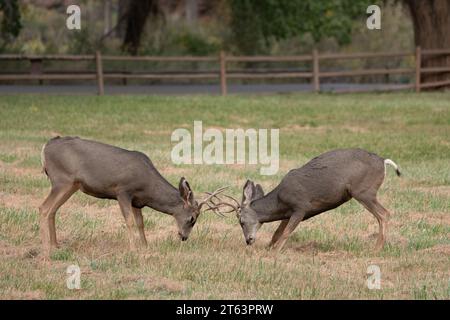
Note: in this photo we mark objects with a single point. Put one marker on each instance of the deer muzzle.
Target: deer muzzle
(182, 237)
(250, 240)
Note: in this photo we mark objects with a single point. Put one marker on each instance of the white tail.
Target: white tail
(392, 163)
(43, 159)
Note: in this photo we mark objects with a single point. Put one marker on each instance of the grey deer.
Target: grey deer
(322, 184)
(109, 172)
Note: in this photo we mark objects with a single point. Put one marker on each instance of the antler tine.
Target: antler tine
(211, 195)
(236, 208)
(233, 208)
(218, 203)
(216, 207)
(224, 195)
(215, 210)
(222, 204)
(230, 197)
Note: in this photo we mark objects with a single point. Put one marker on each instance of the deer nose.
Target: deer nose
(250, 240)
(182, 237)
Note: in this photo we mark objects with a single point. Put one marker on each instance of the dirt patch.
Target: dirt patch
(437, 190)
(19, 201)
(13, 294)
(158, 132)
(335, 255)
(353, 129)
(431, 217)
(174, 170)
(312, 247)
(10, 169)
(160, 234)
(10, 251)
(238, 119)
(441, 249)
(153, 283)
(51, 134)
(297, 127)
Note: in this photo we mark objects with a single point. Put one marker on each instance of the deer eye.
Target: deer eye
(192, 220)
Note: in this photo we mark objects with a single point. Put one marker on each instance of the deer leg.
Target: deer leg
(140, 225)
(127, 211)
(278, 232)
(57, 197)
(380, 213)
(290, 226)
(384, 214)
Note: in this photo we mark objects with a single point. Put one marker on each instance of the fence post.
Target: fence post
(418, 66)
(36, 68)
(99, 67)
(316, 81)
(223, 73)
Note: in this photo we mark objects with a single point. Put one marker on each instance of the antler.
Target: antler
(216, 206)
(210, 196)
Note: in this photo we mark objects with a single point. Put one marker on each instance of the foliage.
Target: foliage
(255, 22)
(10, 19)
(196, 44)
(82, 42)
(44, 30)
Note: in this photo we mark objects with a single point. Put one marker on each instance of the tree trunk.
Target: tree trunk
(191, 11)
(431, 20)
(123, 6)
(107, 17)
(136, 17)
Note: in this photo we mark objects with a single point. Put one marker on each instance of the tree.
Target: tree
(107, 16)
(121, 17)
(191, 11)
(135, 18)
(10, 19)
(255, 22)
(431, 20)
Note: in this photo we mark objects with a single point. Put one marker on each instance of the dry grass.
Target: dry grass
(326, 258)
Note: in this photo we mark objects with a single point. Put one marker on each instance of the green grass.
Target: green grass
(326, 257)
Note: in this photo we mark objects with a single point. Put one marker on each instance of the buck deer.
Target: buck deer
(322, 184)
(105, 171)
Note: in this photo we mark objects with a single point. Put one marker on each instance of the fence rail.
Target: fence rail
(36, 71)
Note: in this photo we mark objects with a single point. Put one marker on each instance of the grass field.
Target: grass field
(326, 258)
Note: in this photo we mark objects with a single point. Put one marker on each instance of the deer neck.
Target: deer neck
(269, 208)
(163, 197)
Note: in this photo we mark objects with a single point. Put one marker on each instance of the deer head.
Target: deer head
(187, 217)
(246, 216)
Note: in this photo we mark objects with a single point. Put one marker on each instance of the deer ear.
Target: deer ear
(259, 192)
(249, 192)
(185, 191)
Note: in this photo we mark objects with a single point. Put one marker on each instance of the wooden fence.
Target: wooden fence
(223, 74)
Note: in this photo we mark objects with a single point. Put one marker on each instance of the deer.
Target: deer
(109, 172)
(322, 184)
